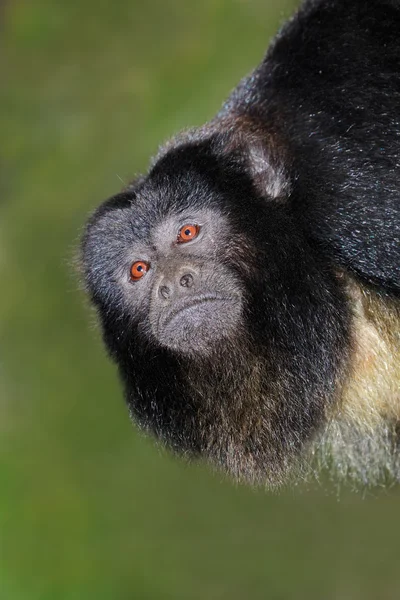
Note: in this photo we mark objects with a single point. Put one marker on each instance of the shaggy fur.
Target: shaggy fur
(292, 357)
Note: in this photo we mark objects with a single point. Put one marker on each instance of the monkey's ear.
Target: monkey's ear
(267, 168)
(263, 156)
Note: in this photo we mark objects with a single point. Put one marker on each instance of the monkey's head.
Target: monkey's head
(229, 333)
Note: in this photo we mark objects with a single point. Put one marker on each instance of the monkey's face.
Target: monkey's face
(212, 307)
(176, 281)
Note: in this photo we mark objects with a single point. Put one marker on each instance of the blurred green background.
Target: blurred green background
(89, 510)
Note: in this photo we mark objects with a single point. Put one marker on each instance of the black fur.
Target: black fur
(330, 88)
(298, 178)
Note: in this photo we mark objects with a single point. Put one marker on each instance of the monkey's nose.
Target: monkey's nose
(186, 280)
(176, 286)
(165, 292)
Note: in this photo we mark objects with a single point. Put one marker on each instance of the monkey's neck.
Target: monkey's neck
(362, 437)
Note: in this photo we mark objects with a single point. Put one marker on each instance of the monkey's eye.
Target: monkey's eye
(188, 233)
(138, 269)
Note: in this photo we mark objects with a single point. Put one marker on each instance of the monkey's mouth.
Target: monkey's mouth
(191, 305)
(194, 325)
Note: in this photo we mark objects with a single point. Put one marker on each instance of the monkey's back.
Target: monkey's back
(329, 92)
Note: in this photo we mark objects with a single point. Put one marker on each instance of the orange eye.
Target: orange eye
(188, 233)
(138, 269)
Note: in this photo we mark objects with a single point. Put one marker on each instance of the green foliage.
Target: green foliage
(89, 510)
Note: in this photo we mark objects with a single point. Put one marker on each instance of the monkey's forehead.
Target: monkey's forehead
(140, 222)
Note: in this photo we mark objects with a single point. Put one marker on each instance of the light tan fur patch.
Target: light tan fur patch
(361, 440)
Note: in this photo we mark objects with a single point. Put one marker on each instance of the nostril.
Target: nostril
(165, 292)
(187, 280)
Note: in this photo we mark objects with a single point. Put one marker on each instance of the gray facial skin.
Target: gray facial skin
(188, 299)
(194, 300)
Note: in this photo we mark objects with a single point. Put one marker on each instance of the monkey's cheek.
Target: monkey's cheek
(195, 330)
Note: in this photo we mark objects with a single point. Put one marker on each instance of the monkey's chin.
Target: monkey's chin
(196, 328)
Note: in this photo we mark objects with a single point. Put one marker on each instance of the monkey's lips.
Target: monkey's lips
(194, 325)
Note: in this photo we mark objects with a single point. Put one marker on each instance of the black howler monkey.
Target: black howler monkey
(248, 286)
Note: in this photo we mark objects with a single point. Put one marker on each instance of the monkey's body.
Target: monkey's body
(269, 330)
